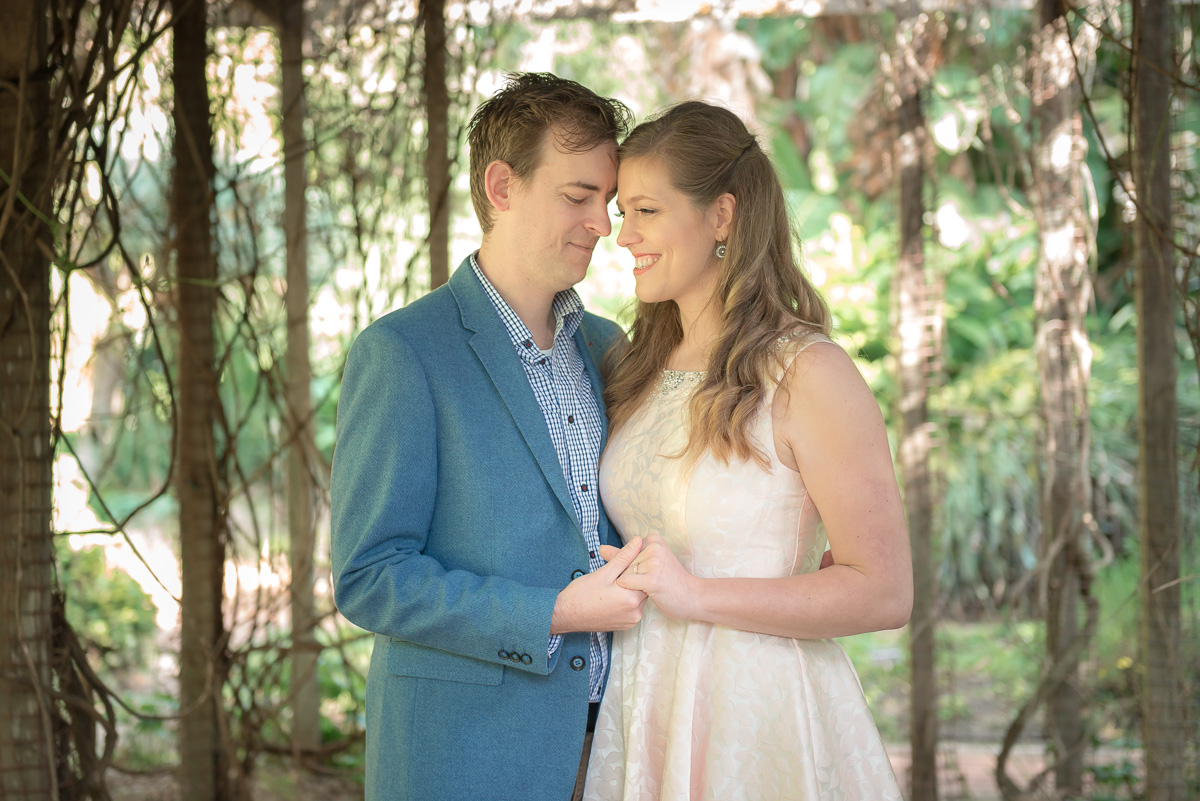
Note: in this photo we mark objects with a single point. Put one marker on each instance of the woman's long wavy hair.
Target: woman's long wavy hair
(761, 293)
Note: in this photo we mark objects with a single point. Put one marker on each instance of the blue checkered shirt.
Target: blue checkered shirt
(564, 393)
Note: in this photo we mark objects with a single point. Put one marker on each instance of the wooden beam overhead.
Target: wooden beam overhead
(264, 13)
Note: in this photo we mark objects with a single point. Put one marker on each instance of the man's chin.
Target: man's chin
(579, 262)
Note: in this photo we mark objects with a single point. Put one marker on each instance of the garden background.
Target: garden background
(203, 201)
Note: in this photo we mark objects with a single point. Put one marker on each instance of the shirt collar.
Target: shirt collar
(567, 308)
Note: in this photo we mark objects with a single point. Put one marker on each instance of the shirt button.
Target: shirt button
(542, 360)
(576, 574)
(570, 418)
(527, 344)
(583, 487)
(577, 663)
(592, 554)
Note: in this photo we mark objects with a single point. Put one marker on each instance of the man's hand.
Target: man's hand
(657, 572)
(595, 602)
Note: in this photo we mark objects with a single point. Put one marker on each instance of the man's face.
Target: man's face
(561, 210)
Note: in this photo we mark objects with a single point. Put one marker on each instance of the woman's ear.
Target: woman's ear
(723, 209)
(499, 181)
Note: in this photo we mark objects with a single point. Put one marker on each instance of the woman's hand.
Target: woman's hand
(657, 572)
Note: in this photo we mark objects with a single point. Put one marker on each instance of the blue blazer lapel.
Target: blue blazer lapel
(492, 345)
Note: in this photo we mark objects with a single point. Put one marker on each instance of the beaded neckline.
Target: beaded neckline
(672, 380)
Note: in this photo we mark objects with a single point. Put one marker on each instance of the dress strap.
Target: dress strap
(792, 344)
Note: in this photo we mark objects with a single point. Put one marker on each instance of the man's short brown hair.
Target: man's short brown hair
(511, 125)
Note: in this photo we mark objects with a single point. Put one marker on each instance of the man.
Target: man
(466, 518)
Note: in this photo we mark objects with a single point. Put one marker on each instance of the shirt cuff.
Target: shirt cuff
(555, 641)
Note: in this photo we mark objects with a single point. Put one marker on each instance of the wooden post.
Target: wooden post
(1162, 698)
(27, 755)
(306, 697)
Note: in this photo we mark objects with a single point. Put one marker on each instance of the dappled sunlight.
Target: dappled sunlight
(251, 578)
(955, 130)
(71, 492)
(158, 576)
(89, 320)
(953, 230)
(246, 74)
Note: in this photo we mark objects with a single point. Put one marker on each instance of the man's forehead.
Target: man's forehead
(564, 141)
(607, 151)
(594, 169)
(555, 142)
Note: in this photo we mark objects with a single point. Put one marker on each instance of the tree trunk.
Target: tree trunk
(204, 763)
(917, 346)
(306, 732)
(437, 160)
(1164, 732)
(27, 758)
(1063, 293)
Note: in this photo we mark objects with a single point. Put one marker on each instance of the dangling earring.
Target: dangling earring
(720, 251)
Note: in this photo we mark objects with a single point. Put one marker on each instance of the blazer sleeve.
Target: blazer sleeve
(384, 489)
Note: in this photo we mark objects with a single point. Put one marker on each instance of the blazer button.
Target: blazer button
(576, 574)
(526, 659)
(577, 663)
(502, 654)
(514, 656)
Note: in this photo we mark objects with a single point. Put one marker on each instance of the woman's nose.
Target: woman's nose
(628, 234)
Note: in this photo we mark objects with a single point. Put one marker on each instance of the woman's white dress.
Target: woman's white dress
(700, 711)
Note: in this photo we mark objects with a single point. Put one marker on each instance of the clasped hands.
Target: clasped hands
(657, 572)
(614, 597)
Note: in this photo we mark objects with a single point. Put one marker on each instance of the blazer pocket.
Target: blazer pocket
(418, 661)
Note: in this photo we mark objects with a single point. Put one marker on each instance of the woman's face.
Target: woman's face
(671, 241)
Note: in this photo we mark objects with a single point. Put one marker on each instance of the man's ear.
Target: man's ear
(722, 211)
(499, 180)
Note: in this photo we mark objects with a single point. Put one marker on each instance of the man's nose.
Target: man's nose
(599, 222)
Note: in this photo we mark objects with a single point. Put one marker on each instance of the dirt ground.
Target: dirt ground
(965, 771)
(276, 780)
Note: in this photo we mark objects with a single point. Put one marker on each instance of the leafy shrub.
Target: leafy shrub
(113, 617)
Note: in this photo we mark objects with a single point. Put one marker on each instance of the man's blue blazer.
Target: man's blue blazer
(452, 534)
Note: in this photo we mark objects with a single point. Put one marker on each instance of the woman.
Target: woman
(741, 440)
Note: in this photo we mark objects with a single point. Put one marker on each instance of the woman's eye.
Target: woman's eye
(575, 200)
(646, 212)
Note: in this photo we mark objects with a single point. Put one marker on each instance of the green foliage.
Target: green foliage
(1116, 781)
(881, 659)
(985, 671)
(149, 742)
(779, 39)
(110, 613)
(342, 678)
(259, 689)
(985, 252)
